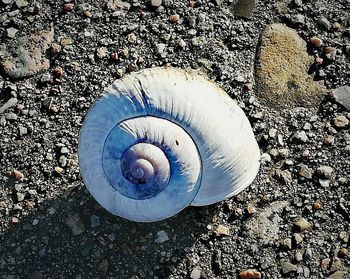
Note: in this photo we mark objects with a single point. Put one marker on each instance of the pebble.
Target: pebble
(161, 48)
(325, 171)
(305, 172)
(64, 150)
(28, 57)
(75, 223)
(342, 96)
(328, 140)
(265, 158)
(300, 137)
(299, 255)
(244, 8)
(101, 52)
(195, 273)
(302, 224)
(297, 238)
(10, 103)
(17, 174)
(95, 221)
(338, 275)
(286, 243)
(20, 197)
(162, 237)
(330, 53)
(251, 209)
(57, 72)
(156, 3)
(343, 252)
(22, 131)
(316, 42)
(324, 183)
(324, 22)
(114, 5)
(58, 170)
(249, 274)
(222, 230)
(272, 132)
(316, 206)
(174, 18)
(11, 32)
(298, 19)
(288, 267)
(336, 264)
(68, 7)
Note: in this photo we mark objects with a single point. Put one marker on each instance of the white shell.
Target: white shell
(210, 141)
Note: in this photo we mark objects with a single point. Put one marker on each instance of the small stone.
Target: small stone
(316, 206)
(95, 221)
(64, 150)
(11, 32)
(324, 22)
(112, 237)
(58, 170)
(181, 43)
(299, 255)
(22, 131)
(174, 18)
(251, 209)
(330, 53)
(247, 86)
(63, 161)
(114, 5)
(325, 263)
(21, 3)
(68, 7)
(336, 26)
(66, 42)
(244, 8)
(14, 220)
(328, 140)
(57, 72)
(318, 61)
(302, 224)
(101, 52)
(195, 273)
(272, 133)
(75, 223)
(156, 3)
(249, 274)
(10, 103)
(300, 137)
(161, 48)
(342, 96)
(297, 238)
(316, 42)
(162, 237)
(88, 14)
(343, 252)
(323, 183)
(304, 171)
(222, 230)
(132, 38)
(298, 19)
(114, 56)
(35, 222)
(325, 171)
(288, 267)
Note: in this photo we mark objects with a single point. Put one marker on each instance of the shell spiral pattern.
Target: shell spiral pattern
(162, 139)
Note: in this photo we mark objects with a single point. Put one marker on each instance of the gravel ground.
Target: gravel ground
(56, 57)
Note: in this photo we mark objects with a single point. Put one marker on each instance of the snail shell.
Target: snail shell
(162, 139)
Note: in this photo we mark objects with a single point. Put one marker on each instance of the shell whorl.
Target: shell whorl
(162, 139)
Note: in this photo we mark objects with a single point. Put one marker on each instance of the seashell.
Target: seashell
(162, 139)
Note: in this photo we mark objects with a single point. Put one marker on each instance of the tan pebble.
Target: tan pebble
(250, 274)
(101, 52)
(336, 26)
(336, 264)
(222, 230)
(343, 252)
(88, 14)
(316, 206)
(54, 108)
(66, 41)
(59, 170)
(297, 238)
(302, 224)
(132, 38)
(29, 204)
(251, 209)
(316, 42)
(124, 53)
(174, 18)
(68, 7)
(14, 220)
(340, 121)
(325, 264)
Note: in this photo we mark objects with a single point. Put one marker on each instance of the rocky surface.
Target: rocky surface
(292, 222)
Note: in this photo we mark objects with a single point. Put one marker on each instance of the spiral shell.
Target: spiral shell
(162, 139)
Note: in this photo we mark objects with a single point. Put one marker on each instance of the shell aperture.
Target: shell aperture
(162, 139)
